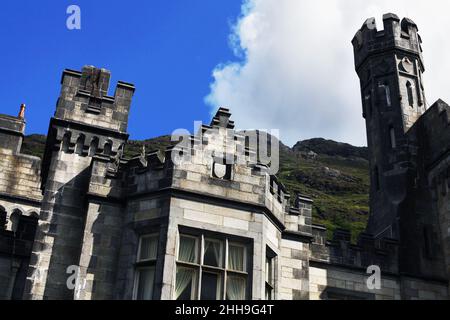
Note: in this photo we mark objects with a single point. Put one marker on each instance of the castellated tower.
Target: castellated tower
(389, 64)
(85, 141)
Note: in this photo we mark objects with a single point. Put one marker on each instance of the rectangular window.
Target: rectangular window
(145, 283)
(148, 248)
(185, 283)
(392, 137)
(213, 255)
(210, 268)
(211, 285)
(188, 249)
(145, 267)
(270, 274)
(236, 257)
(236, 287)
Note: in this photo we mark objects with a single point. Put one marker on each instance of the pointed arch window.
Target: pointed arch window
(66, 142)
(108, 148)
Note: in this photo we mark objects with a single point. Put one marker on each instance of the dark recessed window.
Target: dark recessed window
(3, 217)
(376, 178)
(26, 227)
(270, 274)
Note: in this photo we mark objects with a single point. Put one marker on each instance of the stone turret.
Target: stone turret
(390, 64)
(85, 141)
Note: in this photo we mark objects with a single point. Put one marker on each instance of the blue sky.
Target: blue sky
(167, 48)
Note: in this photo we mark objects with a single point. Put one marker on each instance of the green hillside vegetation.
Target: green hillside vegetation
(335, 175)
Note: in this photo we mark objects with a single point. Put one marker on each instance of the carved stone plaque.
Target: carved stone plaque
(220, 170)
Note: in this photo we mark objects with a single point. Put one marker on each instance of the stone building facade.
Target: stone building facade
(88, 223)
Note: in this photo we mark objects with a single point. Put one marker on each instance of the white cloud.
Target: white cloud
(294, 66)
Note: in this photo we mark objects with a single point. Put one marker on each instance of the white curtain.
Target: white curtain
(216, 248)
(149, 248)
(183, 279)
(235, 288)
(145, 285)
(236, 258)
(187, 250)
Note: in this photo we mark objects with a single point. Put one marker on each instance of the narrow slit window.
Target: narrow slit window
(93, 147)
(270, 274)
(392, 137)
(409, 90)
(80, 145)
(108, 148)
(66, 143)
(368, 103)
(388, 95)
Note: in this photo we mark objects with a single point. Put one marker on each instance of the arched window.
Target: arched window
(107, 148)
(392, 137)
(66, 142)
(80, 145)
(3, 217)
(15, 217)
(93, 147)
(409, 90)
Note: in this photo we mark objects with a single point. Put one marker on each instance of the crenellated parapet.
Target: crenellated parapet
(88, 122)
(84, 98)
(340, 251)
(399, 35)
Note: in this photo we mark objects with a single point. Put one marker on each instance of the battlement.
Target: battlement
(84, 99)
(434, 125)
(222, 119)
(400, 35)
(366, 252)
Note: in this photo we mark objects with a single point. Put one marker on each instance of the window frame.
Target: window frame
(270, 277)
(226, 240)
(222, 253)
(140, 265)
(151, 235)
